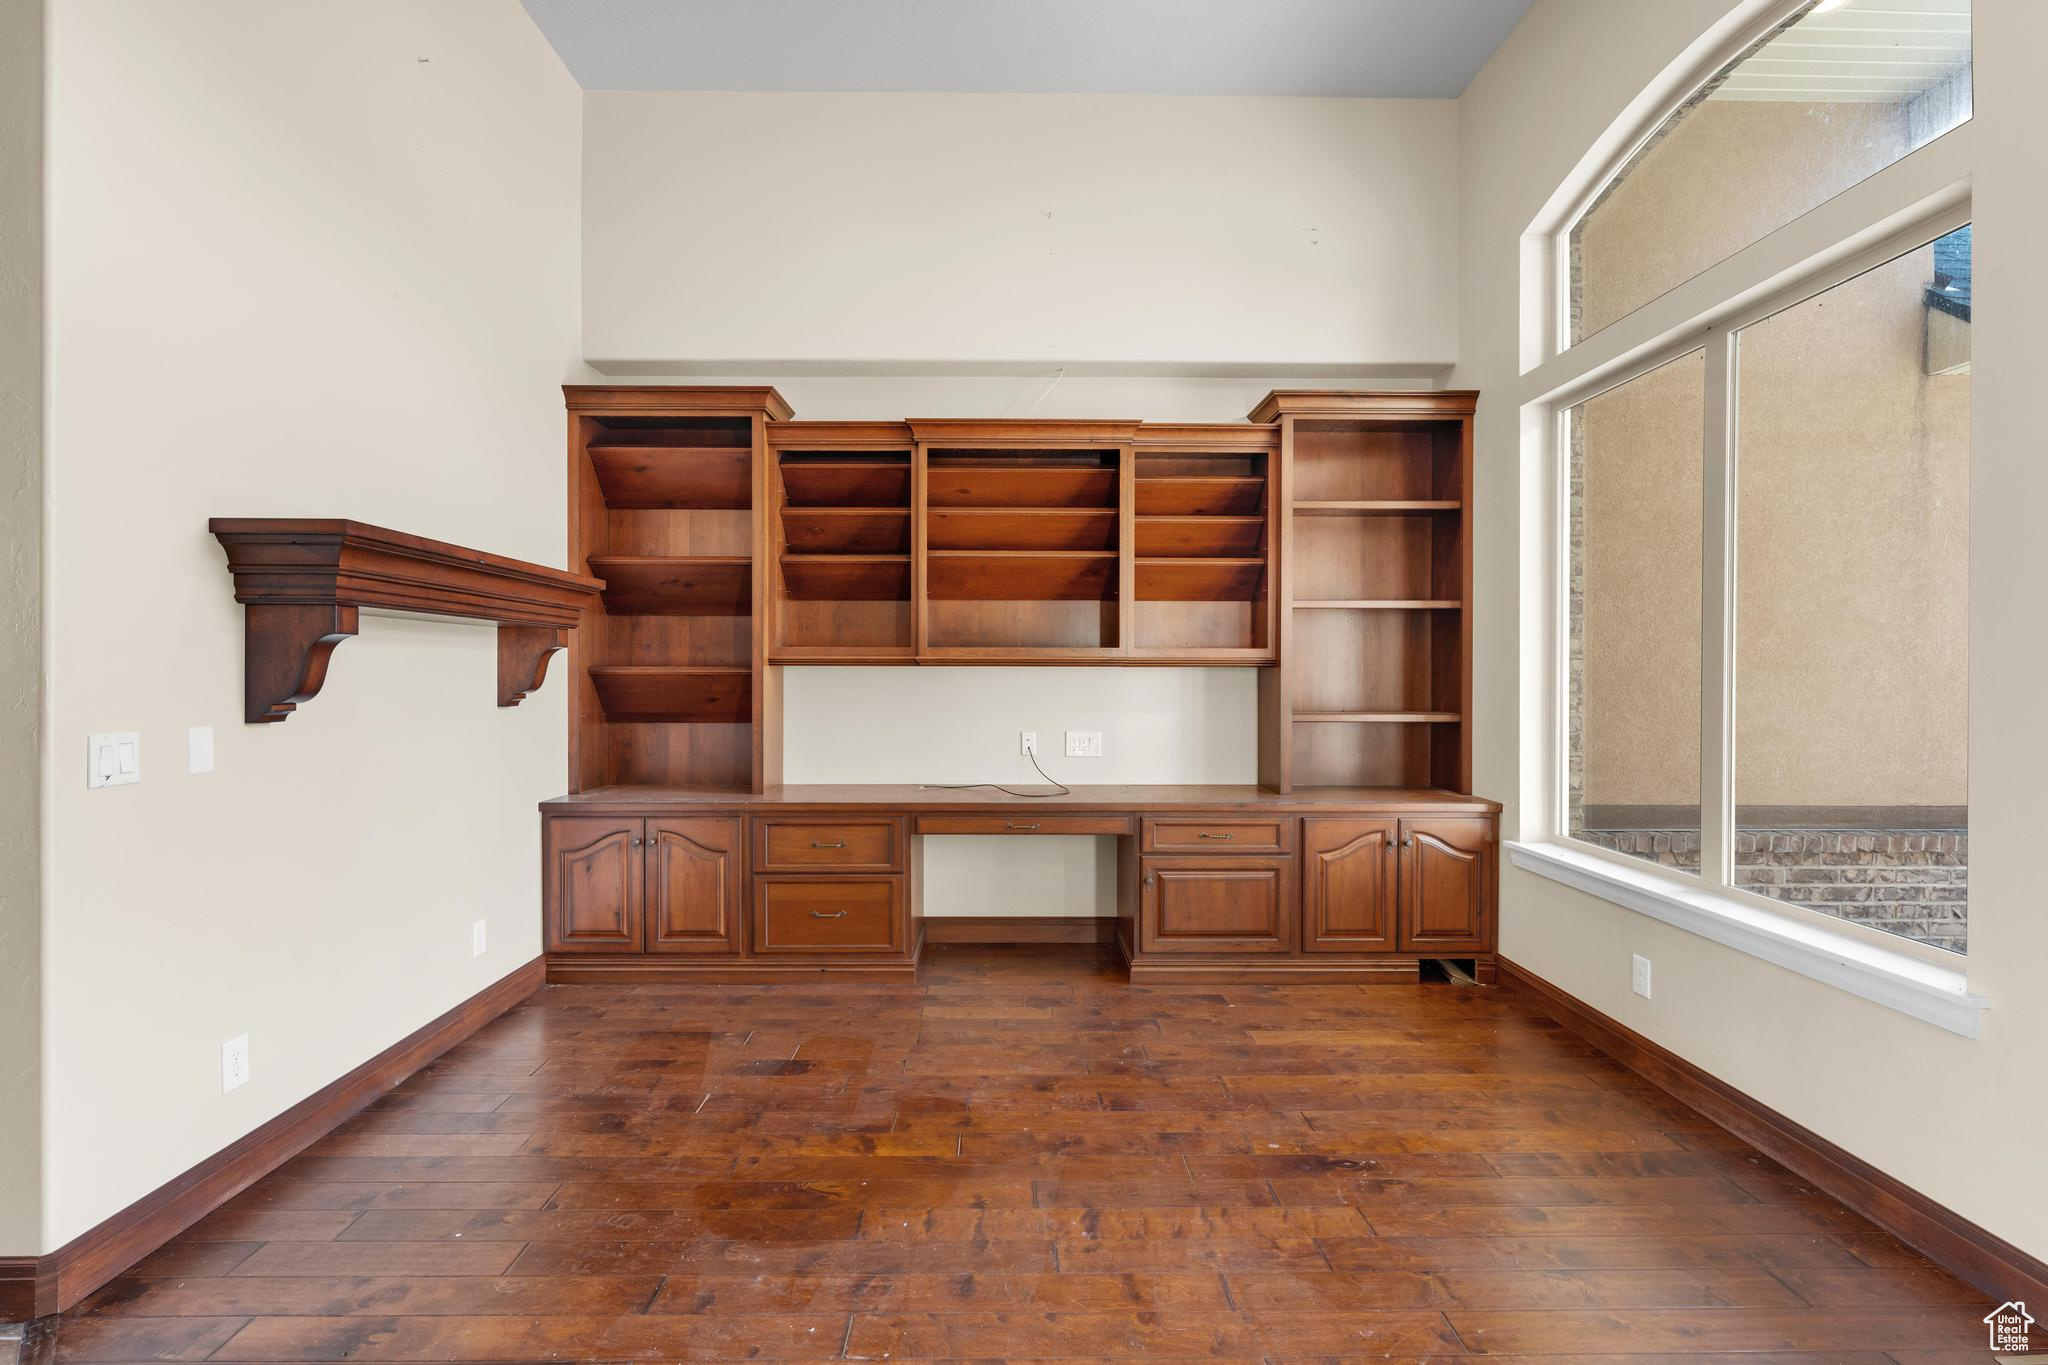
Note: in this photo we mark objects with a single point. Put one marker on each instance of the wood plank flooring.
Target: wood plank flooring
(1024, 1157)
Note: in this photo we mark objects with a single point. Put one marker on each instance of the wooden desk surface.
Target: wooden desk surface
(978, 800)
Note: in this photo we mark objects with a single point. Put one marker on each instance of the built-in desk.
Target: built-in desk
(646, 883)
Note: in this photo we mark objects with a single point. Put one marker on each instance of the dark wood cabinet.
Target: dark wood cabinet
(813, 914)
(1349, 872)
(595, 873)
(1216, 905)
(1447, 882)
(694, 879)
(632, 886)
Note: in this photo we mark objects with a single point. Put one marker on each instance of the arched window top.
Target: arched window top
(1834, 94)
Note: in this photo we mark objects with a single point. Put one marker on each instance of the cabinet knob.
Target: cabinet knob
(1149, 879)
(820, 914)
(636, 843)
(819, 843)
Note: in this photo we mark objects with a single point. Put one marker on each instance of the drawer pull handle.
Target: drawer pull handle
(820, 914)
(1009, 825)
(1207, 835)
(820, 843)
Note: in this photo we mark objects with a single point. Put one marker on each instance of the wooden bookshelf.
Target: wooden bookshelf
(1324, 543)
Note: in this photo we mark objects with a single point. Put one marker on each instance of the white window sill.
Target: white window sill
(1923, 990)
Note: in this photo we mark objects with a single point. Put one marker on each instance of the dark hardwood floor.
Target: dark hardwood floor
(1021, 1157)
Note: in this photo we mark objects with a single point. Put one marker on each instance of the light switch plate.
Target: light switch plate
(199, 749)
(113, 760)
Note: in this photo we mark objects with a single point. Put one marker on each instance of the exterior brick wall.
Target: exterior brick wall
(1910, 882)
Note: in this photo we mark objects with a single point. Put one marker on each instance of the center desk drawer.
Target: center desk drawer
(828, 914)
(795, 844)
(1024, 824)
(1221, 834)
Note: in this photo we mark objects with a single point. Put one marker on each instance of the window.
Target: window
(1852, 466)
(1759, 654)
(1827, 99)
(1634, 604)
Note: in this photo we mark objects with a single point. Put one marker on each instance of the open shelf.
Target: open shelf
(1207, 536)
(980, 484)
(1020, 575)
(645, 476)
(846, 578)
(846, 530)
(1374, 507)
(1203, 495)
(1020, 528)
(674, 585)
(864, 480)
(675, 694)
(1382, 604)
(1200, 580)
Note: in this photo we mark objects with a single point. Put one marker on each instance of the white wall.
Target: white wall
(21, 644)
(1957, 1119)
(305, 260)
(1098, 228)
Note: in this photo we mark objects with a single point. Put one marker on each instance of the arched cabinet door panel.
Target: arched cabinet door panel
(1447, 882)
(594, 874)
(1348, 877)
(693, 886)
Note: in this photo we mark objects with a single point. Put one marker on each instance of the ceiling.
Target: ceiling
(1405, 48)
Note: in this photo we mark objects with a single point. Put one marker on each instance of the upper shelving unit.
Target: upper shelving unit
(1324, 543)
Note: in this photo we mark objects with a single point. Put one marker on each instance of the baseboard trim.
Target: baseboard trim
(57, 1281)
(1994, 1265)
(1019, 929)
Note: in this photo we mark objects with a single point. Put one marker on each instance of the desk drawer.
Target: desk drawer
(828, 914)
(1024, 824)
(1221, 834)
(828, 845)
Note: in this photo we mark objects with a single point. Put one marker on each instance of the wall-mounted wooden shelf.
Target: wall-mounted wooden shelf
(303, 581)
(675, 585)
(1325, 543)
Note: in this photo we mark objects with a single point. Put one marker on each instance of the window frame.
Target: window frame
(1898, 209)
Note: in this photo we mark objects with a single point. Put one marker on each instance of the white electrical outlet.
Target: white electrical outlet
(1639, 977)
(476, 939)
(113, 760)
(1027, 741)
(199, 749)
(234, 1063)
(1084, 744)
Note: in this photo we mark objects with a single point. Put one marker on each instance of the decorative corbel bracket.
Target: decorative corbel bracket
(303, 583)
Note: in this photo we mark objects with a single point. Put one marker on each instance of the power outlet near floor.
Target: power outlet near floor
(1639, 977)
(476, 939)
(234, 1063)
(1084, 744)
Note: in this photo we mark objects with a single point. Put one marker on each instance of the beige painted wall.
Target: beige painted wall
(994, 231)
(1851, 635)
(1956, 1118)
(1019, 227)
(21, 642)
(306, 260)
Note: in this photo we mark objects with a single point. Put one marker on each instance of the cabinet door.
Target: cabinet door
(594, 876)
(1347, 894)
(1447, 884)
(1216, 905)
(693, 886)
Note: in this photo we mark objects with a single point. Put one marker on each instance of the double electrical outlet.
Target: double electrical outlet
(1080, 743)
